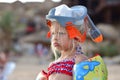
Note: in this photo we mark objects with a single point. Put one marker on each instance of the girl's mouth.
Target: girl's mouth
(55, 44)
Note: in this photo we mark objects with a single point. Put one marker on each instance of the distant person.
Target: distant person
(6, 66)
(37, 21)
(39, 49)
(31, 27)
(3, 61)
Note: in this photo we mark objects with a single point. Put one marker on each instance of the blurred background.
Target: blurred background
(23, 42)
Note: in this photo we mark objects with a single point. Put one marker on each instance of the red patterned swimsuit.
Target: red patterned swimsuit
(64, 67)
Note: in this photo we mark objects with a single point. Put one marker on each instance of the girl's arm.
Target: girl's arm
(42, 76)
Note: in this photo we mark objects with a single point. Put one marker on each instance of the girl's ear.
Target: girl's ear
(76, 41)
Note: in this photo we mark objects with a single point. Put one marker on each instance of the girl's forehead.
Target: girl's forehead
(57, 27)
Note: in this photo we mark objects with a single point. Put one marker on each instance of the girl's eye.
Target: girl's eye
(58, 33)
(52, 33)
(61, 33)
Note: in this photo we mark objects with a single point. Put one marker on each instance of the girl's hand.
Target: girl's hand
(42, 76)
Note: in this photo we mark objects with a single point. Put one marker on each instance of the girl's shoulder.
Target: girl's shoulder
(80, 57)
(51, 63)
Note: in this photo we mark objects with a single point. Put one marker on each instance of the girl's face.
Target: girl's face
(60, 39)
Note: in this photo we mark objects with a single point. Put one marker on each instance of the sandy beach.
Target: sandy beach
(27, 68)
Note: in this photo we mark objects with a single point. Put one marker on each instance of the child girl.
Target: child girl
(64, 23)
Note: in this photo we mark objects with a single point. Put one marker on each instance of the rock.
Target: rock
(109, 31)
(118, 42)
(114, 60)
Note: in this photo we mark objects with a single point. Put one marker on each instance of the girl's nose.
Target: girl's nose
(55, 37)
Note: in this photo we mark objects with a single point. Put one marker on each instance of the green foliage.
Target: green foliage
(6, 27)
(6, 21)
(110, 50)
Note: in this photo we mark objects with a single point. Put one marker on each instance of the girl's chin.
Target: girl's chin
(57, 48)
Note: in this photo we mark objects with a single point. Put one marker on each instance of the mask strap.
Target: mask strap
(75, 33)
(48, 22)
(83, 37)
(48, 34)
